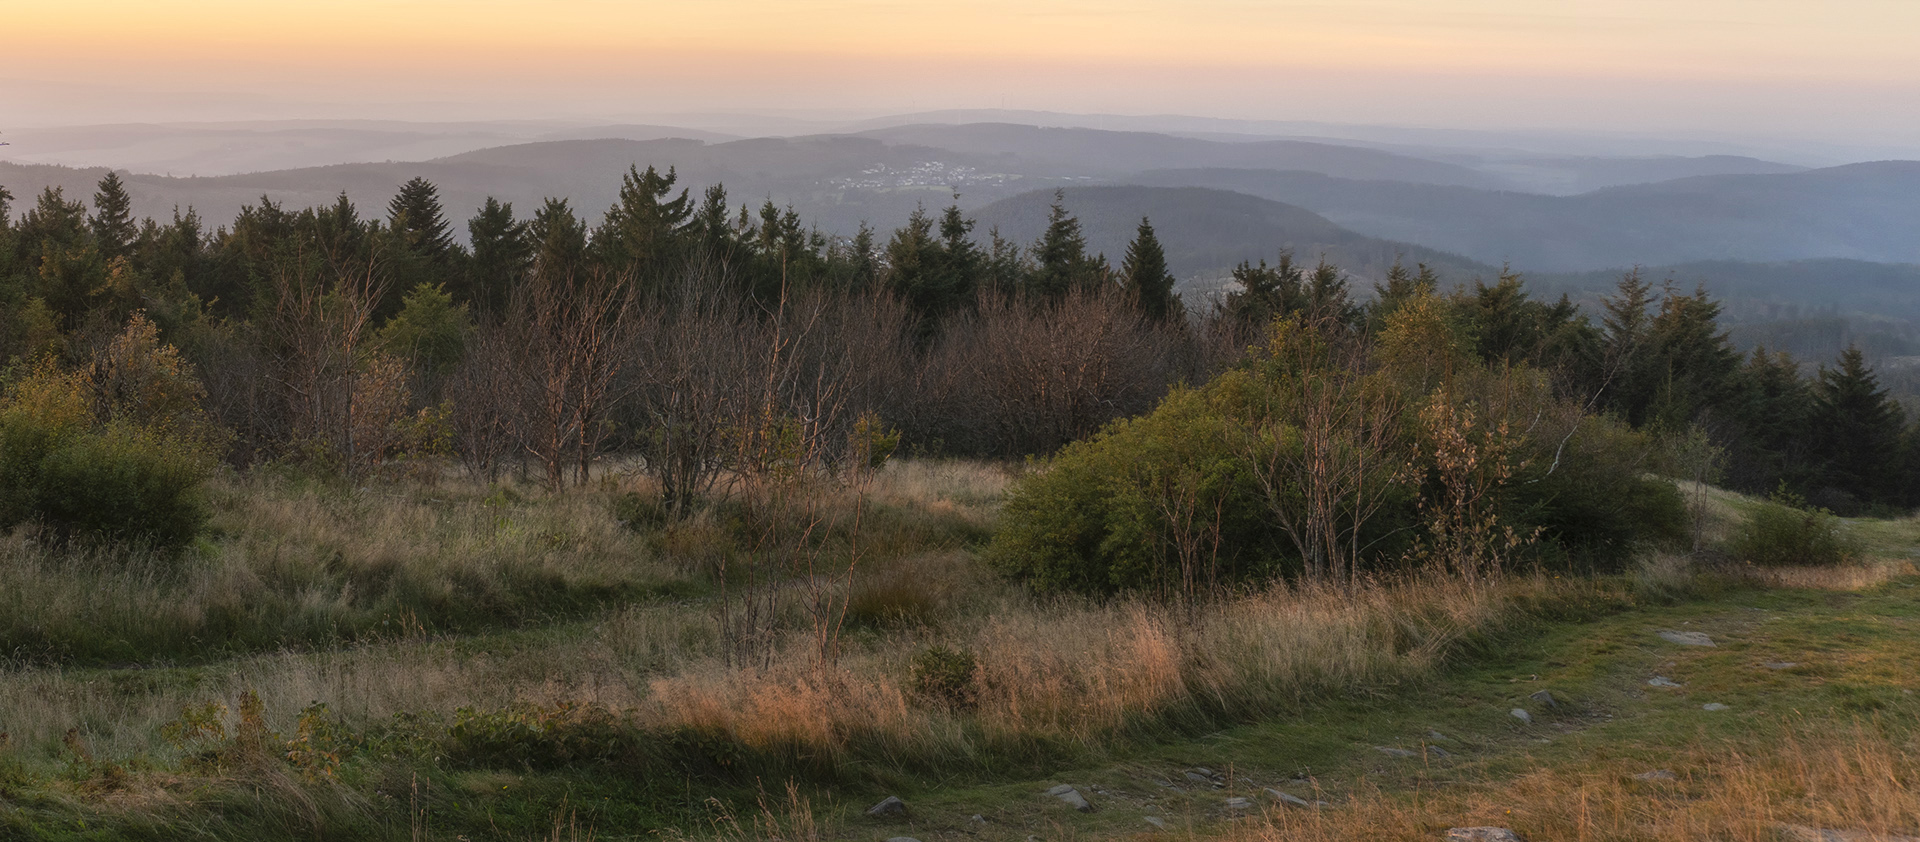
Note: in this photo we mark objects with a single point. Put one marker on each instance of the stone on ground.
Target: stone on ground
(1072, 796)
(1662, 681)
(888, 808)
(1289, 800)
(1686, 638)
(1546, 698)
(1714, 706)
(1802, 833)
(1482, 834)
(1522, 715)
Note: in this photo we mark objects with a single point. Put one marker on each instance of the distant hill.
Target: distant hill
(1864, 212)
(1761, 292)
(1207, 232)
(835, 182)
(1105, 154)
(1569, 175)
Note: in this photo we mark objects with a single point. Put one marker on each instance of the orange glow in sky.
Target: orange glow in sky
(1523, 62)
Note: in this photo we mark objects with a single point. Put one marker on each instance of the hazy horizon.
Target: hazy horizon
(1770, 73)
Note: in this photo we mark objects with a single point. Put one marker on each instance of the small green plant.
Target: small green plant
(640, 512)
(1786, 531)
(945, 676)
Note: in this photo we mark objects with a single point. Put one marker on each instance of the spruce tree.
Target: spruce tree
(863, 268)
(1625, 327)
(558, 240)
(1267, 292)
(1693, 364)
(1856, 431)
(1770, 447)
(1144, 274)
(1401, 286)
(112, 222)
(1060, 255)
(416, 215)
(1327, 295)
(961, 262)
(502, 251)
(644, 232)
(713, 230)
(913, 261)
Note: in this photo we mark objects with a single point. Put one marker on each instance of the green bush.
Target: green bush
(1786, 531)
(944, 676)
(1106, 514)
(1172, 502)
(80, 478)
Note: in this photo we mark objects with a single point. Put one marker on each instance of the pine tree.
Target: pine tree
(1327, 295)
(644, 232)
(1625, 328)
(61, 262)
(502, 251)
(558, 240)
(713, 230)
(112, 222)
(961, 263)
(1267, 292)
(1401, 286)
(415, 214)
(1856, 431)
(1770, 446)
(1060, 255)
(913, 260)
(863, 268)
(1144, 274)
(1694, 367)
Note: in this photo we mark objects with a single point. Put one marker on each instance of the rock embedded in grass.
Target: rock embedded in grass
(1522, 715)
(1158, 822)
(1482, 834)
(1662, 681)
(1239, 803)
(1545, 697)
(1067, 793)
(889, 808)
(1715, 706)
(1686, 638)
(1289, 800)
(1802, 833)
(1390, 751)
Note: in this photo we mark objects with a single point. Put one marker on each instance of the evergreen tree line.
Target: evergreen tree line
(668, 327)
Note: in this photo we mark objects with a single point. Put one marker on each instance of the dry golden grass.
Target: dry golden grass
(1854, 779)
(1846, 577)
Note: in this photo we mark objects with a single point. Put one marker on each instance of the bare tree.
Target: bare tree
(569, 348)
(1324, 444)
(321, 318)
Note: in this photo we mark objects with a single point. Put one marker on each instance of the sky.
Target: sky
(1844, 71)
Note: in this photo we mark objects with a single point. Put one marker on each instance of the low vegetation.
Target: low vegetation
(644, 524)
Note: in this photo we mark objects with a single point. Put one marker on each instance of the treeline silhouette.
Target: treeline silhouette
(680, 326)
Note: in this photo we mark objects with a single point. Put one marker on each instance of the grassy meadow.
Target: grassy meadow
(433, 659)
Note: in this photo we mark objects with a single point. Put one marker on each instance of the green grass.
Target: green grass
(500, 730)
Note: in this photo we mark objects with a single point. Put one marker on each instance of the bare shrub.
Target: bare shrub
(1022, 376)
